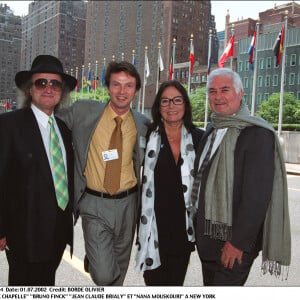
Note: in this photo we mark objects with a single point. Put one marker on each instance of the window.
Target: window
(259, 98)
(240, 66)
(298, 95)
(267, 95)
(275, 80)
(293, 60)
(245, 97)
(269, 63)
(260, 80)
(203, 78)
(298, 78)
(292, 79)
(182, 74)
(246, 82)
(261, 63)
(267, 80)
(247, 66)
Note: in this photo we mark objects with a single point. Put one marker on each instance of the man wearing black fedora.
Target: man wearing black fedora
(36, 176)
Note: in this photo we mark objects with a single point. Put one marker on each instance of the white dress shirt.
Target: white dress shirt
(44, 127)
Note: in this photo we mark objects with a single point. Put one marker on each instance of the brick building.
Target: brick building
(56, 28)
(116, 28)
(10, 49)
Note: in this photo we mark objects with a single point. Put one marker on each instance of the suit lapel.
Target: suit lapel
(140, 144)
(36, 149)
(201, 146)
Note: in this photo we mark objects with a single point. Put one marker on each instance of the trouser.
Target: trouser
(23, 273)
(108, 229)
(215, 274)
(171, 271)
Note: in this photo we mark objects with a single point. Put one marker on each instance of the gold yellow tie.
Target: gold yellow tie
(113, 167)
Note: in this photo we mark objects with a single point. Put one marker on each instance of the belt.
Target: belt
(115, 196)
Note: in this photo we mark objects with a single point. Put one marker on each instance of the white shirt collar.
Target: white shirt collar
(41, 116)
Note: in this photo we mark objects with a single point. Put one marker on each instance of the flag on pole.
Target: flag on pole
(209, 63)
(171, 68)
(278, 46)
(147, 69)
(84, 84)
(251, 48)
(89, 80)
(161, 64)
(227, 52)
(103, 76)
(192, 57)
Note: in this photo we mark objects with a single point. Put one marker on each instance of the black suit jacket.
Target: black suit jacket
(29, 210)
(252, 190)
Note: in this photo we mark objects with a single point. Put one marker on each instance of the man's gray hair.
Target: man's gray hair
(226, 72)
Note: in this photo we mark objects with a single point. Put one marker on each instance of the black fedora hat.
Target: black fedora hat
(45, 64)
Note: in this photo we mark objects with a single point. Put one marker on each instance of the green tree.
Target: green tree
(269, 109)
(198, 99)
(101, 95)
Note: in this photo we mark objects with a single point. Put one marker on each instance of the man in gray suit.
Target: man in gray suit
(108, 214)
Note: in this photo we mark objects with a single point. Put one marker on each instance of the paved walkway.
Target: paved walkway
(292, 168)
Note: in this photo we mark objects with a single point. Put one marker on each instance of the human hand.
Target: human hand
(230, 254)
(2, 243)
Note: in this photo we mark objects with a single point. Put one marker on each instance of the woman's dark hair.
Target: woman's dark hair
(155, 111)
(122, 66)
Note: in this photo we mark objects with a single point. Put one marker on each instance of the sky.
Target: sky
(237, 9)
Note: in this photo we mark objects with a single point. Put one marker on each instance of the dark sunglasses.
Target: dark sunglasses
(42, 83)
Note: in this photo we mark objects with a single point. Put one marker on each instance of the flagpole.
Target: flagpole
(231, 58)
(76, 74)
(208, 64)
(173, 55)
(102, 79)
(95, 80)
(190, 63)
(82, 75)
(139, 97)
(158, 66)
(133, 62)
(282, 77)
(144, 82)
(255, 72)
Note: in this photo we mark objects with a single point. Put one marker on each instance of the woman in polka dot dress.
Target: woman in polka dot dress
(166, 234)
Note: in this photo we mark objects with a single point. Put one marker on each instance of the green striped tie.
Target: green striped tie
(58, 167)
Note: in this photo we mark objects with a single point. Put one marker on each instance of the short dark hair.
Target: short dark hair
(122, 66)
(155, 111)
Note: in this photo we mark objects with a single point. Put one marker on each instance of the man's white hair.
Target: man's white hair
(226, 72)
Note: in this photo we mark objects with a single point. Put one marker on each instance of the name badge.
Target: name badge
(110, 154)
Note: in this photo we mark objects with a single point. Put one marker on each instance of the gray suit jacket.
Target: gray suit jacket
(82, 118)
